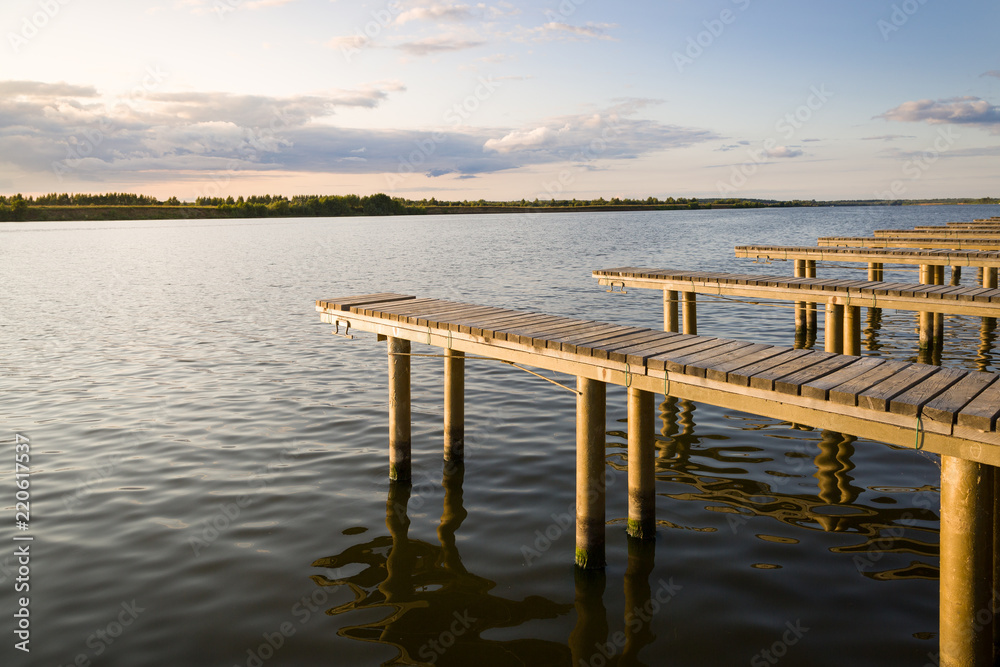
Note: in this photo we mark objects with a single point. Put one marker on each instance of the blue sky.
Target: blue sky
(501, 100)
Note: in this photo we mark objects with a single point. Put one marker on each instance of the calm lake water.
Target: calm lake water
(210, 475)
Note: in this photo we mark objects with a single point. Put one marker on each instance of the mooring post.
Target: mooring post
(834, 327)
(454, 406)
(956, 276)
(800, 306)
(925, 319)
(590, 485)
(690, 314)
(939, 317)
(990, 277)
(811, 316)
(671, 321)
(399, 409)
(873, 271)
(852, 330)
(641, 462)
(966, 635)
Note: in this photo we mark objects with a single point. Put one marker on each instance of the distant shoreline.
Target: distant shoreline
(83, 213)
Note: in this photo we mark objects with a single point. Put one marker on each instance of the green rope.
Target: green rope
(918, 440)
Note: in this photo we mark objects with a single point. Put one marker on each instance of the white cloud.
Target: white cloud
(439, 44)
(960, 110)
(784, 152)
(557, 30)
(888, 137)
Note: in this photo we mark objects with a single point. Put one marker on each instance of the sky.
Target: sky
(504, 100)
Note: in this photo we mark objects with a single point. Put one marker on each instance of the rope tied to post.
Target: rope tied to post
(628, 375)
(918, 442)
(666, 383)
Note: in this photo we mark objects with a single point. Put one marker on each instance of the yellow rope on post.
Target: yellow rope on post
(628, 375)
(666, 383)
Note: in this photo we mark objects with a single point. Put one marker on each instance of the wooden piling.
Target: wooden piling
(800, 306)
(834, 328)
(690, 314)
(671, 320)
(852, 330)
(956, 276)
(641, 465)
(399, 409)
(966, 560)
(590, 484)
(811, 314)
(990, 277)
(876, 271)
(925, 320)
(454, 406)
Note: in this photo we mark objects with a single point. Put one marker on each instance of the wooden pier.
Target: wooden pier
(950, 412)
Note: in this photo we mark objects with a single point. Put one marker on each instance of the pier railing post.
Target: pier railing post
(671, 321)
(399, 409)
(690, 314)
(938, 317)
(834, 328)
(966, 561)
(641, 462)
(590, 470)
(454, 406)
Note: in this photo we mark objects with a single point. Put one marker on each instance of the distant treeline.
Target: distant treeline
(121, 205)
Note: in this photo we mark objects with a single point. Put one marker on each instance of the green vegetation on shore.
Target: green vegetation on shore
(126, 206)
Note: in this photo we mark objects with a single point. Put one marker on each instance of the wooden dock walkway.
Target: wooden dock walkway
(842, 299)
(914, 240)
(946, 257)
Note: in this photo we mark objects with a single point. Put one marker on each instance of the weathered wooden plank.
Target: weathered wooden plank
(981, 412)
(766, 379)
(720, 368)
(742, 376)
(847, 393)
(819, 388)
(945, 407)
(912, 401)
(792, 383)
(676, 363)
(878, 396)
(699, 365)
(689, 360)
(344, 303)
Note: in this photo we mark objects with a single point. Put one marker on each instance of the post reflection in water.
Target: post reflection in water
(987, 336)
(872, 343)
(715, 477)
(436, 609)
(592, 642)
